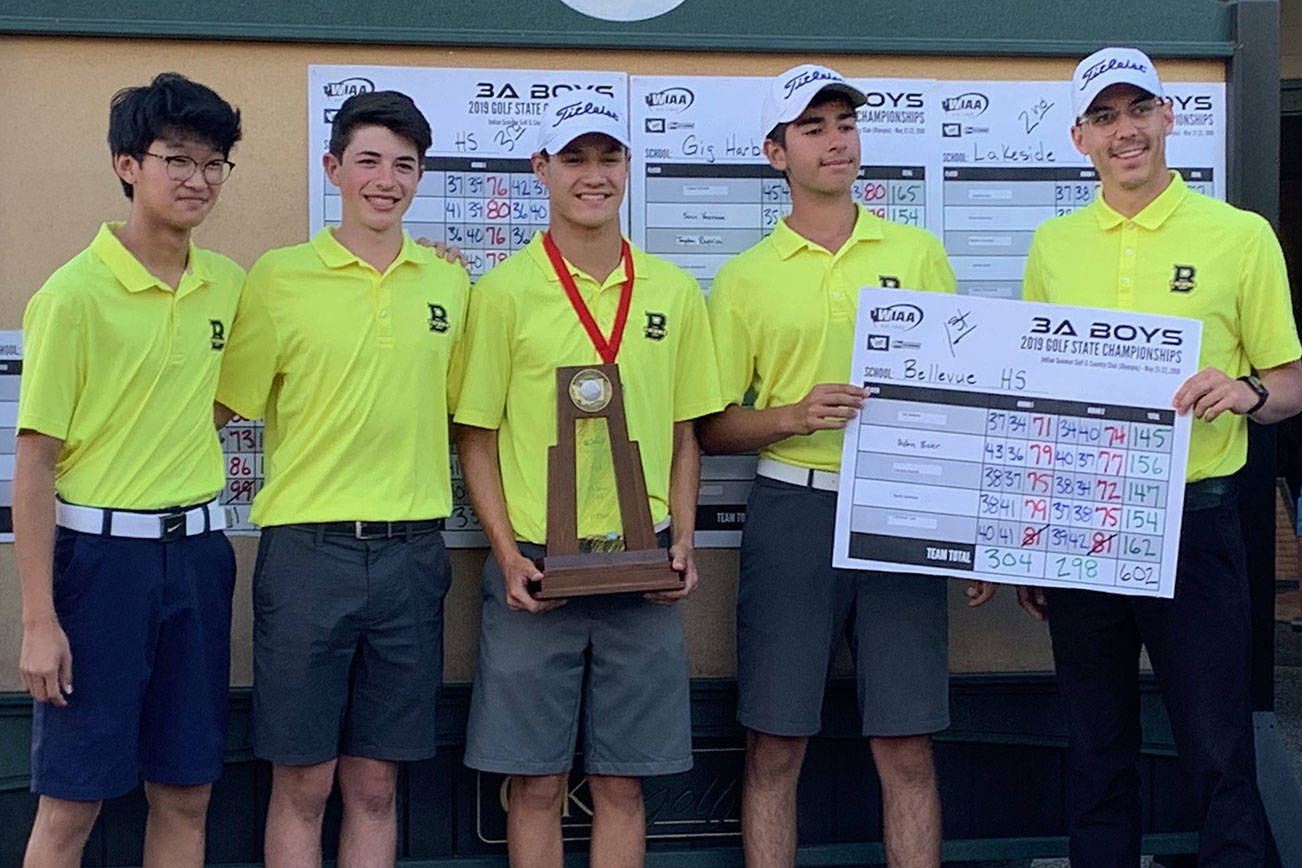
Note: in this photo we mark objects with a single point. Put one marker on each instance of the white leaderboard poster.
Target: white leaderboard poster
(1016, 442)
(1008, 164)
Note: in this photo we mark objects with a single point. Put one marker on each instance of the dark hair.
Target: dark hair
(823, 97)
(383, 108)
(171, 104)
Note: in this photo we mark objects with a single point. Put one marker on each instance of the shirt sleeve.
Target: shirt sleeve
(486, 359)
(54, 365)
(252, 356)
(1266, 327)
(696, 374)
(1033, 284)
(457, 360)
(733, 347)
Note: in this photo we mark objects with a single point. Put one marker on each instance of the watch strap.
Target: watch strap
(1262, 393)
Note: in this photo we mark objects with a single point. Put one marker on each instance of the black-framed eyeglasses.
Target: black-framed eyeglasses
(179, 167)
(1140, 112)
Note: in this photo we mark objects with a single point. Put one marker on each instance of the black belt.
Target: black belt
(1211, 493)
(373, 529)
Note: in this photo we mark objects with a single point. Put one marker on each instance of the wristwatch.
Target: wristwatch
(1262, 393)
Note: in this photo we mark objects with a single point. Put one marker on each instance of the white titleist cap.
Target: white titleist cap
(568, 118)
(791, 93)
(1109, 66)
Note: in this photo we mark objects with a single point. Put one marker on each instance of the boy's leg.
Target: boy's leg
(524, 710)
(791, 606)
(393, 692)
(59, 833)
(309, 596)
(183, 715)
(618, 822)
(369, 834)
(87, 751)
(533, 820)
(175, 830)
(901, 650)
(294, 812)
(910, 800)
(768, 797)
(1096, 658)
(1200, 646)
(637, 716)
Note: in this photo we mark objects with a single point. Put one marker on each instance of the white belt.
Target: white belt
(141, 525)
(822, 479)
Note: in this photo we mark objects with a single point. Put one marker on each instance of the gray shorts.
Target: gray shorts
(619, 662)
(792, 606)
(347, 645)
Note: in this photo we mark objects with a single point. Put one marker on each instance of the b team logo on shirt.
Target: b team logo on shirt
(655, 326)
(888, 281)
(438, 318)
(218, 339)
(1182, 278)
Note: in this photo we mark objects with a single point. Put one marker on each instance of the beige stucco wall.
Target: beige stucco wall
(1290, 39)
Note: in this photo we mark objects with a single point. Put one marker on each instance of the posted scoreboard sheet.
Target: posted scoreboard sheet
(11, 371)
(703, 190)
(1016, 442)
(1007, 164)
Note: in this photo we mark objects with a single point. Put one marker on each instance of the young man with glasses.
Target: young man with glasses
(783, 315)
(1148, 243)
(344, 344)
(126, 576)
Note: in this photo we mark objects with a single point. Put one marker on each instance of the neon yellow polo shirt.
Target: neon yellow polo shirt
(1184, 254)
(122, 368)
(350, 368)
(783, 315)
(522, 328)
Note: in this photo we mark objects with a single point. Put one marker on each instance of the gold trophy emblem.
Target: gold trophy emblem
(590, 390)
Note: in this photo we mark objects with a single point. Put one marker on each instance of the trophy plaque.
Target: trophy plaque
(594, 392)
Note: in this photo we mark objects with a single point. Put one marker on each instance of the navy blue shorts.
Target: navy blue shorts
(149, 625)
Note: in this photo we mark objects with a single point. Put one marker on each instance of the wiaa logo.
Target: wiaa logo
(348, 87)
(897, 317)
(673, 99)
(967, 105)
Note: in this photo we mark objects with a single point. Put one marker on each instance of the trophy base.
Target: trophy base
(605, 573)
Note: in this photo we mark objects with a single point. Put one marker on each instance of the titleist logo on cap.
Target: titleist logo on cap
(1106, 66)
(806, 77)
(579, 109)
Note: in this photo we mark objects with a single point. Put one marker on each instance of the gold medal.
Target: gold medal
(590, 390)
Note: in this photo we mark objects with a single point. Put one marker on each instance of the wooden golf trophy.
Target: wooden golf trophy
(594, 392)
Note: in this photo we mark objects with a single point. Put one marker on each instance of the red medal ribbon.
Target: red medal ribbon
(608, 348)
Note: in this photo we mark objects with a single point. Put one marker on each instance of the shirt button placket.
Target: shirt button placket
(174, 330)
(1126, 265)
(384, 313)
